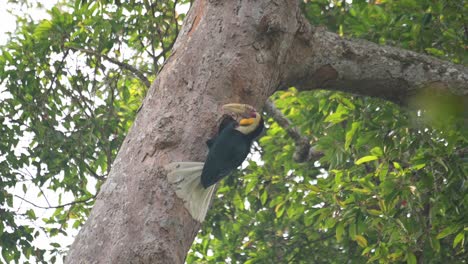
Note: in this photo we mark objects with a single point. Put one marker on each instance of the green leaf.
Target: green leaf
(411, 258)
(335, 118)
(396, 165)
(276, 200)
(350, 134)
(338, 176)
(361, 190)
(279, 210)
(348, 103)
(362, 241)
(435, 244)
(7, 255)
(7, 56)
(459, 238)
(9, 200)
(31, 215)
(352, 230)
(28, 252)
(446, 231)
(264, 197)
(340, 115)
(238, 201)
(339, 231)
(42, 29)
(365, 159)
(374, 212)
(418, 167)
(376, 151)
(295, 211)
(251, 184)
(56, 245)
(435, 52)
(76, 224)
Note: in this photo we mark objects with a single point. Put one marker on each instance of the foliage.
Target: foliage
(71, 96)
(437, 28)
(389, 188)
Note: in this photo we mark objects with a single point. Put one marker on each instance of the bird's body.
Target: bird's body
(195, 182)
(227, 152)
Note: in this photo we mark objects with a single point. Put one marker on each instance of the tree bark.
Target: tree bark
(321, 59)
(227, 51)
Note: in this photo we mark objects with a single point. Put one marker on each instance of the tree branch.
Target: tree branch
(56, 206)
(122, 65)
(304, 151)
(323, 60)
(461, 152)
(93, 173)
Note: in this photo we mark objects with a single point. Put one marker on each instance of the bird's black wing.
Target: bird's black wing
(227, 153)
(226, 120)
(210, 142)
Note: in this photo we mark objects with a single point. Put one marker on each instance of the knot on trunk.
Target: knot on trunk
(270, 24)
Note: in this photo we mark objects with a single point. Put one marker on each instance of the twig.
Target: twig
(32, 178)
(461, 152)
(153, 49)
(176, 22)
(56, 206)
(93, 173)
(321, 238)
(123, 65)
(54, 79)
(304, 151)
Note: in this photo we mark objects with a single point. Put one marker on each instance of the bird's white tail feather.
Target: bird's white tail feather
(186, 179)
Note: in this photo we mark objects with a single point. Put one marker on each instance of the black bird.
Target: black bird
(195, 181)
(232, 145)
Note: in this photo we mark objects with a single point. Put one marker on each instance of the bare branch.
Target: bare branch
(32, 178)
(304, 151)
(54, 79)
(461, 152)
(174, 15)
(123, 65)
(93, 173)
(56, 206)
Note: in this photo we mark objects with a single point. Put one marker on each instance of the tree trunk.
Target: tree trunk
(228, 51)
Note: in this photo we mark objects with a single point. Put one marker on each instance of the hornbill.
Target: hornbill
(195, 182)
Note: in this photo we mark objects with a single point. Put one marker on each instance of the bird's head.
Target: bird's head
(250, 120)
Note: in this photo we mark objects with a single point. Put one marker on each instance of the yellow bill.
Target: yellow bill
(246, 121)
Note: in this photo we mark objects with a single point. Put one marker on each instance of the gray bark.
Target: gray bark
(227, 51)
(321, 59)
